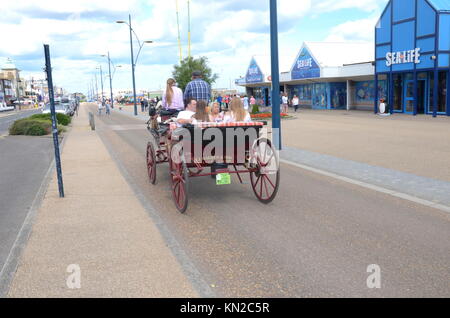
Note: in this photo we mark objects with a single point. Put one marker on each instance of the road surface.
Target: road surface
(24, 162)
(317, 239)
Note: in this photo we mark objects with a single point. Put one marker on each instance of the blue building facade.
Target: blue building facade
(326, 95)
(412, 57)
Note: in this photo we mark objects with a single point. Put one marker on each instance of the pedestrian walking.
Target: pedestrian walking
(108, 108)
(142, 106)
(100, 107)
(284, 101)
(295, 102)
(197, 88)
(246, 102)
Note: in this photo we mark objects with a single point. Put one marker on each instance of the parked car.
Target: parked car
(59, 108)
(5, 107)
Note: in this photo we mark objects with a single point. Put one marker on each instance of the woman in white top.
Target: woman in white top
(237, 112)
(295, 102)
(285, 102)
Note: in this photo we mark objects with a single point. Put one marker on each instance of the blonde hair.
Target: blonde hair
(169, 91)
(213, 105)
(237, 109)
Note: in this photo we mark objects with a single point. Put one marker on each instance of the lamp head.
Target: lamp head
(120, 21)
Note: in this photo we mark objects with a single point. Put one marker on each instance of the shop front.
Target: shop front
(256, 84)
(413, 57)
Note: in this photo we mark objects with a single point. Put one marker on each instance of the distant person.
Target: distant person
(100, 107)
(295, 102)
(197, 88)
(220, 100)
(108, 108)
(284, 101)
(252, 101)
(172, 98)
(246, 102)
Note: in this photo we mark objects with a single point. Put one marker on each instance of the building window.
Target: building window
(398, 92)
(338, 95)
(442, 92)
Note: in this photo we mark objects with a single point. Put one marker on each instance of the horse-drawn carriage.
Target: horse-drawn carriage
(212, 149)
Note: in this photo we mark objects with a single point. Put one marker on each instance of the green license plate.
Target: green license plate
(223, 179)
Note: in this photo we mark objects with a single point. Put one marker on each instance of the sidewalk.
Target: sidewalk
(420, 188)
(101, 227)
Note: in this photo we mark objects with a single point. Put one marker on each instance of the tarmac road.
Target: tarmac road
(316, 239)
(7, 119)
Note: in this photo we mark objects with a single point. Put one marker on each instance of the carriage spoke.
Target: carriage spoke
(265, 186)
(261, 190)
(270, 182)
(257, 180)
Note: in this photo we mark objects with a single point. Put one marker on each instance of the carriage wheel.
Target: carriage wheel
(266, 179)
(151, 163)
(180, 179)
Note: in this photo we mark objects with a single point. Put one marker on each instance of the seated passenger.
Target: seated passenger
(237, 112)
(201, 113)
(187, 116)
(173, 97)
(215, 115)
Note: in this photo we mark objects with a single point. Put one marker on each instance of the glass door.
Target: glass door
(409, 97)
(421, 96)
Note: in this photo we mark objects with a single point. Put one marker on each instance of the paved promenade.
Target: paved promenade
(307, 131)
(101, 227)
(415, 145)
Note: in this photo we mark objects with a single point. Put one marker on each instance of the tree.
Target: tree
(182, 73)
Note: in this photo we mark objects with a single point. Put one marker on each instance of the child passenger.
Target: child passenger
(237, 112)
(215, 115)
(201, 113)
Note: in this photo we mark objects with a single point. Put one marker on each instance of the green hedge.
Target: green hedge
(255, 109)
(61, 118)
(33, 127)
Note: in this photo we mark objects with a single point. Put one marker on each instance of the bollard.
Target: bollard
(92, 121)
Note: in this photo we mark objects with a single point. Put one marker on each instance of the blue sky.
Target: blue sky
(228, 32)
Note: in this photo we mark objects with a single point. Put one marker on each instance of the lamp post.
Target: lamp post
(111, 76)
(101, 80)
(276, 117)
(133, 60)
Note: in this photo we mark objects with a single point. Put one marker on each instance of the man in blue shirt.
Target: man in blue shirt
(197, 89)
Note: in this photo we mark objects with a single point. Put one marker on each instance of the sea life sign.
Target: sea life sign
(305, 66)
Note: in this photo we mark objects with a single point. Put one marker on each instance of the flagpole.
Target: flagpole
(189, 27)
(179, 36)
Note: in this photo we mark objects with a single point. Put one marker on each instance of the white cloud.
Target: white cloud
(229, 32)
(358, 30)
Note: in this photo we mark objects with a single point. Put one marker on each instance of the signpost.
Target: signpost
(48, 70)
(276, 117)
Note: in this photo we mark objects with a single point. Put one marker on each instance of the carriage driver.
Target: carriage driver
(187, 116)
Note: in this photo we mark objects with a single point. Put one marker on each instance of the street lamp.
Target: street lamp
(110, 79)
(101, 79)
(133, 60)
